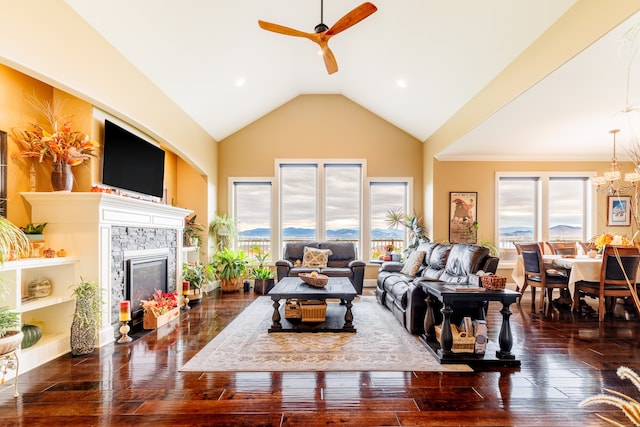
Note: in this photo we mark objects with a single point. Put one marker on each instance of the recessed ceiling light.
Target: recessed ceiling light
(240, 82)
(401, 83)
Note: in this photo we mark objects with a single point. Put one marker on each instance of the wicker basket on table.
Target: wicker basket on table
(463, 342)
(493, 283)
(318, 281)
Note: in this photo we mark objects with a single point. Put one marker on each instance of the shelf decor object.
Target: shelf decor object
(125, 317)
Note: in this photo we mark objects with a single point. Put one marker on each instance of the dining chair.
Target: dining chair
(563, 248)
(537, 274)
(617, 274)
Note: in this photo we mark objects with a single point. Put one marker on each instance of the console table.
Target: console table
(449, 298)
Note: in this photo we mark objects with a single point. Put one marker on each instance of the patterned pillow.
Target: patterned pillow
(412, 265)
(317, 258)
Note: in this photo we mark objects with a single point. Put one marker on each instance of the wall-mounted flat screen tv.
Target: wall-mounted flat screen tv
(131, 163)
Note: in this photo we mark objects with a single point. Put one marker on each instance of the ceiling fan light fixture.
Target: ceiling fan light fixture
(323, 33)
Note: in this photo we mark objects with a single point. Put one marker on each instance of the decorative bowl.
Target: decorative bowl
(319, 281)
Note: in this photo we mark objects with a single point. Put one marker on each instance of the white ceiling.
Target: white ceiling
(445, 51)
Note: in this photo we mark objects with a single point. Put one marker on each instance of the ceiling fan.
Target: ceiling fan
(322, 33)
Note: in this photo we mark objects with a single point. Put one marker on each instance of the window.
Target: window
(385, 196)
(343, 195)
(318, 200)
(252, 212)
(298, 198)
(542, 207)
(321, 201)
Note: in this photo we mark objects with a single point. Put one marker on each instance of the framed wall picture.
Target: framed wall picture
(463, 209)
(619, 211)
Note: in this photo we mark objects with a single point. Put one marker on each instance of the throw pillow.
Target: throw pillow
(413, 263)
(317, 258)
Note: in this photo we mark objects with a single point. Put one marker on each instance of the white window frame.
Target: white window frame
(541, 216)
(232, 206)
(410, 209)
(320, 206)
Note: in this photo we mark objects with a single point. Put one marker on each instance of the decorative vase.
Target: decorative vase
(40, 288)
(83, 333)
(32, 335)
(62, 177)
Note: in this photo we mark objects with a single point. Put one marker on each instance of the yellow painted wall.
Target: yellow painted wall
(480, 177)
(17, 89)
(320, 127)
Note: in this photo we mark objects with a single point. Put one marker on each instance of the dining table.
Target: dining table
(579, 267)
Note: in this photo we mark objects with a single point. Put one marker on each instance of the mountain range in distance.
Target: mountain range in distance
(309, 233)
(526, 233)
(506, 233)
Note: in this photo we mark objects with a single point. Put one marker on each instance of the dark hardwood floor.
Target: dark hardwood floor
(565, 358)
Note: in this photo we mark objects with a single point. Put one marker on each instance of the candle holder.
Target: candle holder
(185, 294)
(124, 331)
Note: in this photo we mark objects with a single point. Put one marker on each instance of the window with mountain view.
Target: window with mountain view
(252, 211)
(542, 207)
(343, 201)
(298, 201)
(385, 196)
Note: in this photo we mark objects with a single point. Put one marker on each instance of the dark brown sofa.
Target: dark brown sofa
(451, 263)
(343, 262)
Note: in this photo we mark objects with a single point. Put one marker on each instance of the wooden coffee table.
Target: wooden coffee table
(294, 288)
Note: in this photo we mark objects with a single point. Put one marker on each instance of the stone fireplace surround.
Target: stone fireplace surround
(99, 228)
(138, 242)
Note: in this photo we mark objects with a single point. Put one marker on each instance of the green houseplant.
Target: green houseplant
(192, 228)
(413, 224)
(263, 280)
(222, 230)
(13, 241)
(86, 318)
(229, 267)
(197, 274)
(10, 335)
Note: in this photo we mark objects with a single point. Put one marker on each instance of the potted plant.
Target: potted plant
(13, 241)
(10, 334)
(222, 230)
(192, 228)
(413, 224)
(263, 280)
(86, 318)
(229, 267)
(35, 234)
(197, 274)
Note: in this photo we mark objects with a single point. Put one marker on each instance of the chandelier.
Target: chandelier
(611, 182)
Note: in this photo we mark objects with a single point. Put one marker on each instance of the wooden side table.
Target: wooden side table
(449, 298)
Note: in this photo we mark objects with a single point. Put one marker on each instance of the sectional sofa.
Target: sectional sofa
(398, 284)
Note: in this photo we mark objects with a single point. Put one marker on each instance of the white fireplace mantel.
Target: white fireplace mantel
(81, 222)
(102, 208)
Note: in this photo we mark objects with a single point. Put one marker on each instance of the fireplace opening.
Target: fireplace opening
(144, 275)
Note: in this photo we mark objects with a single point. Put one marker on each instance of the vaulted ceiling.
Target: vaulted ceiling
(415, 63)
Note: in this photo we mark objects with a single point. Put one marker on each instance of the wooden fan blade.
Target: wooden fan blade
(329, 60)
(281, 29)
(352, 18)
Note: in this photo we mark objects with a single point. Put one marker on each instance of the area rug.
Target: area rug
(380, 344)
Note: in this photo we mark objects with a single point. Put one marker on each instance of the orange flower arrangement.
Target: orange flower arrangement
(610, 239)
(60, 145)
